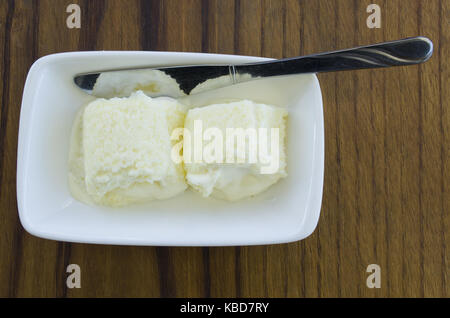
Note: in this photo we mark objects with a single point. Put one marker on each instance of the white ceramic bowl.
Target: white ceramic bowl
(288, 211)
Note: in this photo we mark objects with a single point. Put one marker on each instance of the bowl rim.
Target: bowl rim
(23, 141)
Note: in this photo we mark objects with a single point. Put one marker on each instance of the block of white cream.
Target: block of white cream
(245, 170)
(121, 151)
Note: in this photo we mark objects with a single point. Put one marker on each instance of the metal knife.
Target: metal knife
(176, 81)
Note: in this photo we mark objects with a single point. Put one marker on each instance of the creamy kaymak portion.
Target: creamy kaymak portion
(121, 151)
(252, 151)
(123, 83)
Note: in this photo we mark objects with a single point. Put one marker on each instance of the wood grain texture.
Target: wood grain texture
(386, 194)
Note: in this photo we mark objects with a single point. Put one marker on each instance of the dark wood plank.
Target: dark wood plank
(403, 153)
(431, 163)
(319, 278)
(346, 126)
(369, 121)
(218, 26)
(444, 100)
(8, 221)
(20, 50)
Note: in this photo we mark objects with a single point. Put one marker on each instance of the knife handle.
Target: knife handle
(408, 51)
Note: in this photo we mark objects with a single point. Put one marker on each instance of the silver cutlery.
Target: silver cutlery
(189, 79)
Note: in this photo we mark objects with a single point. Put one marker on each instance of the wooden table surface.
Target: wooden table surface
(386, 197)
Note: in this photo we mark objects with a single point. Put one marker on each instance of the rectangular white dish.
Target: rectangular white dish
(288, 211)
